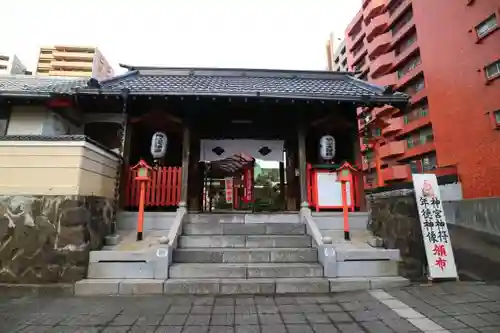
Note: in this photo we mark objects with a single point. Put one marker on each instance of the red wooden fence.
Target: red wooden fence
(163, 190)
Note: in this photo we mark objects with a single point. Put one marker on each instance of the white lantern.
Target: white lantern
(327, 147)
(158, 145)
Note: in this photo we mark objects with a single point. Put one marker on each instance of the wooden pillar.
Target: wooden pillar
(302, 165)
(282, 185)
(186, 149)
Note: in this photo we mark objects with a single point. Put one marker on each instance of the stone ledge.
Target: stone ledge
(20, 290)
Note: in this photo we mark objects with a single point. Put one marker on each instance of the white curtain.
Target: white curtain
(267, 150)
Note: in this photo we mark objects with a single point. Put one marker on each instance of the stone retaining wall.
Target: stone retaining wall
(47, 239)
(394, 217)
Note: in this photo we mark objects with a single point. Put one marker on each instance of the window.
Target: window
(402, 22)
(4, 120)
(409, 66)
(486, 26)
(416, 114)
(497, 117)
(492, 70)
(405, 44)
(424, 164)
(423, 136)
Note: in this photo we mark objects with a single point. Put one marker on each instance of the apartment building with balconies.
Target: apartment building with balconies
(336, 54)
(11, 64)
(446, 55)
(73, 61)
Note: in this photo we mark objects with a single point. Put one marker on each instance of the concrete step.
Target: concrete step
(260, 241)
(121, 270)
(89, 287)
(243, 218)
(244, 229)
(247, 286)
(238, 255)
(251, 270)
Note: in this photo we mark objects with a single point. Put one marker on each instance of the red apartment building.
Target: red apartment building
(446, 55)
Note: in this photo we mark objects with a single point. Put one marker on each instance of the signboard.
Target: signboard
(248, 185)
(328, 191)
(229, 189)
(434, 228)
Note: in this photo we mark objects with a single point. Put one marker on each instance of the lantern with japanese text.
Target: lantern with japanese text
(158, 145)
(327, 147)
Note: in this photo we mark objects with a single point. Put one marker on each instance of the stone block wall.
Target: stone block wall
(394, 217)
(47, 239)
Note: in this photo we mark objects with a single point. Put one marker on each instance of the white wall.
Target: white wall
(37, 120)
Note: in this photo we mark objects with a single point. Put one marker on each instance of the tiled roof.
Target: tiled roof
(24, 85)
(244, 82)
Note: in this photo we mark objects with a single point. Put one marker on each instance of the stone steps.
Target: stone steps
(242, 255)
(90, 287)
(210, 228)
(245, 241)
(247, 286)
(249, 271)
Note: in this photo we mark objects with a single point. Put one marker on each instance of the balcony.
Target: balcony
(399, 11)
(383, 111)
(71, 73)
(73, 55)
(407, 77)
(355, 42)
(418, 96)
(392, 149)
(415, 124)
(396, 172)
(386, 80)
(382, 64)
(72, 64)
(374, 8)
(418, 150)
(355, 21)
(359, 56)
(405, 54)
(367, 164)
(395, 125)
(406, 30)
(379, 45)
(376, 26)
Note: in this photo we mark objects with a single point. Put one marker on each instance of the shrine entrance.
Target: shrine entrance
(243, 175)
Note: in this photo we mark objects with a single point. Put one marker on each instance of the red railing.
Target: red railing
(163, 190)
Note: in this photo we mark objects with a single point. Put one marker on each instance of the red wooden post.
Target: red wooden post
(143, 176)
(345, 176)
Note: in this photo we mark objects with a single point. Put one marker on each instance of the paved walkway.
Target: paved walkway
(450, 307)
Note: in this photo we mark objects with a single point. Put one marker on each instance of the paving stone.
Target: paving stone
(400, 325)
(299, 328)
(245, 309)
(310, 308)
(273, 329)
(449, 323)
(169, 329)
(195, 329)
(363, 315)
(492, 318)
(220, 329)
(473, 320)
(340, 317)
(289, 308)
(142, 329)
(246, 319)
(247, 329)
(179, 309)
(317, 318)
(223, 309)
(324, 328)
(174, 320)
(198, 320)
(294, 318)
(376, 326)
(117, 329)
(265, 308)
(268, 319)
(197, 309)
(222, 319)
(331, 308)
(350, 328)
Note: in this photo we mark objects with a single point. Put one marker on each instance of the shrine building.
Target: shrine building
(216, 131)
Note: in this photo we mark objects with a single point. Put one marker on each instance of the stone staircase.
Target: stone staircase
(215, 257)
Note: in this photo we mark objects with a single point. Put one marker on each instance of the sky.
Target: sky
(281, 34)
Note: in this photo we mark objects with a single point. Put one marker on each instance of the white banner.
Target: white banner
(266, 150)
(437, 240)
